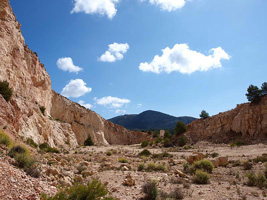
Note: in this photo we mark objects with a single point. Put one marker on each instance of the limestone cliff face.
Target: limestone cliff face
(248, 121)
(64, 122)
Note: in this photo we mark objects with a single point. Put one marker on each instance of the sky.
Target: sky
(121, 57)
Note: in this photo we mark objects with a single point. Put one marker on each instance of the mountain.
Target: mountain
(37, 112)
(150, 120)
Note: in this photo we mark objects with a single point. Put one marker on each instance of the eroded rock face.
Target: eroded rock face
(64, 122)
(247, 121)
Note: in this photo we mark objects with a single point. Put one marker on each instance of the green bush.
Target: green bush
(24, 160)
(150, 190)
(88, 141)
(145, 152)
(204, 165)
(141, 167)
(182, 141)
(17, 150)
(94, 190)
(31, 143)
(167, 134)
(5, 90)
(158, 140)
(5, 139)
(180, 128)
(167, 142)
(151, 166)
(262, 158)
(201, 177)
(247, 165)
(144, 143)
(109, 153)
(237, 143)
(42, 109)
(123, 160)
(256, 180)
(160, 167)
(214, 155)
(46, 148)
(204, 115)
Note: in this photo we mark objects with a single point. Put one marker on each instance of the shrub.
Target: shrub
(256, 180)
(160, 167)
(180, 128)
(262, 158)
(93, 190)
(17, 150)
(42, 109)
(158, 140)
(167, 134)
(150, 190)
(201, 177)
(145, 152)
(247, 165)
(144, 143)
(167, 142)
(5, 90)
(88, 141)
(24, 161)
(214, 155)
(151, 166)
(186, 167)
(109, 153)
(5, 139)
(123, 160)
(265, 171)
(141, 167)
(46, 148)
(31, 143)
(176, 194)
(182, 141)
(204, 165)
(264, 89)
(237, 143)
(204, 115)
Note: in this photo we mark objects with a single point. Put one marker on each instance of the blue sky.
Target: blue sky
(111, 48)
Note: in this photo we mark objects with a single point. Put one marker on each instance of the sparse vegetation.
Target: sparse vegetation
(155, 167)
(109, 153)
(262, 158)
(201, 177)
(237, 143)
(145, 152)
(214, 155)
(31, 143)
(167, 142)
(5, 90)
(204, 165)
(247, 165)
(144, 144)
(150, 190)
(93, 190)
(141, 167)
(123, 160)
(167, 134)
(44, 147)
(256, 180)
(88, 141)
(5, 139)
(182, 141)
(18, 149)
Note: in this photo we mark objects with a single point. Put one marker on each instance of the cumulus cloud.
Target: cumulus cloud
(118, 111)
(66, 64)
(113, 102)
(168, 5)
(101, 7)
(75, 88)
(184, 60)
(86, 105)
(114, 52)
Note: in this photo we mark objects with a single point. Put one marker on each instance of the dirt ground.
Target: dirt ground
(105, 163)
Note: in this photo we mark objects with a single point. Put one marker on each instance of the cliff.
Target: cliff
(64, 122)
(247, 122)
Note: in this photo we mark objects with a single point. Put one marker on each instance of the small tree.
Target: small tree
(5, 90)
(264, 89)
(204, 114)
(254, 93)
(180, 128)
(88, 141)
(167, 134)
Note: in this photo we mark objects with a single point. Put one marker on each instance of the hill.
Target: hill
(150, 120)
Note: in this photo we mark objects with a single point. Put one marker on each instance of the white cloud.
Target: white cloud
(66, 64)
(120, 111)
(168, 5)
(114, 52)
(113, 102)
(180, 58)
(75, 88)
(86, 105)
(139, 105)
(101, 7)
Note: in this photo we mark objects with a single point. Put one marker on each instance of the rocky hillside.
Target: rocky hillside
(63, 122)
(150, 120)
(247, 122)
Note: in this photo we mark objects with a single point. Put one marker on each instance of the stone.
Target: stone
(195, 157)
(215, 162)
(129, 181)
(222, 161)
